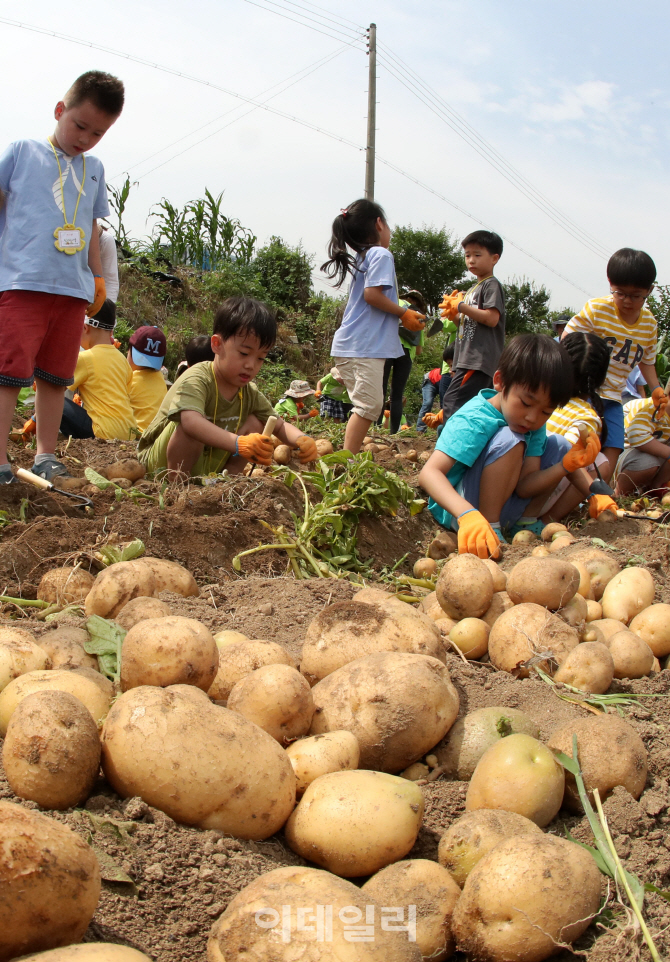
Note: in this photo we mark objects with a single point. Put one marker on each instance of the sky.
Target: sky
(574, 95)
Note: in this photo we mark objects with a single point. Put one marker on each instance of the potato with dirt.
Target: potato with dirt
(348, 630)
(241, 658)
(471, 636)
(460, 750)
(65, 586)
(118, 584)
(627, 594)
(601, 567)
(65, 648)
(51, 752)
(550, 582)
(173, 577)
(354, 823)
(431, 890)
(472, 836)
(589, 667)
(92, 689)
(632, 657)
(465, 587)
(276, 698)
(607, 627)
(321, 755)
(141, 609)
(169, 651)
(527, 897)
(528, 630)
(90, 952)
(50, 882)
(199, 763)
(397, 705)
(610, 753)
(653, 626)
(500, 603)
(128, 469)
(19, 653)
(518, 774)
(252, 924)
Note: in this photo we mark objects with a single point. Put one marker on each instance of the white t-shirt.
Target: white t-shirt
(110, 265)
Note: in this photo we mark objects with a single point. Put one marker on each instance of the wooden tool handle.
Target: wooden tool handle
(33, 479)
(269, 426)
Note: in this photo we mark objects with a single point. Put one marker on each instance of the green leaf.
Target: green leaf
(133, 550)
(652, 888)
(109, 870)
(98, 480)
(599, 860)
(417, 506)
(599, 543)
(106, 638)
(568, 763)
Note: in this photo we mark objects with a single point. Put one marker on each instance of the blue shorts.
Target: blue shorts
(614, 421)
(513, 509)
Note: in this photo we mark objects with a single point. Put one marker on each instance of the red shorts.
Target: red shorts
(40, 336)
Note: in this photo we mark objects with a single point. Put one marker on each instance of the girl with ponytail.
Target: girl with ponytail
(368, 335)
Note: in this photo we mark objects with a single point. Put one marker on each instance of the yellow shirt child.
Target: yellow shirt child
(147, 351)
(102, 379)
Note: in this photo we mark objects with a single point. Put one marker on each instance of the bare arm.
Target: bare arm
(649, 374)
(656, 447)
(196, 426)
(288, 433)
(533, 481)
(433, 479)
(375, 297)
(488, 317)
(94, 261)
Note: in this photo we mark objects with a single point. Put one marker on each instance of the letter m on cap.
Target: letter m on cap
(153, 347)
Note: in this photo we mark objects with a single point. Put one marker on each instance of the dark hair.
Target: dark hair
(448, 352)
(487, 239)
(103, 90)
(590, 358)
(538, 362)
(244, 315)
(355, 228)
(199, 348)
(631, 268)
(106, 316)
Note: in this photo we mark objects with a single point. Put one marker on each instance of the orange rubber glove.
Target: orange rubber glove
(660, 399)
(255, 447)
(317, 394)
(387, 414)
(404, 427)
(432, 420)
(599, 503)
(412, 320)
(314, 413)
(476, 536)
(76, 398)
(28, 428)
(449, 305)
(99, 298)
(307, 448)
(581, 455)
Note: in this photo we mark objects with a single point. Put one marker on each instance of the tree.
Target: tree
(427, 260)
(285, 272)
(526, 308)
(659, 305)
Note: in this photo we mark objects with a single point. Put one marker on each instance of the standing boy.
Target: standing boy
(481, 319)
(146, 354)
(629, 328)
(51, 196)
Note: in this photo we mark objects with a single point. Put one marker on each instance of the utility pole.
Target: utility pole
(372, 114)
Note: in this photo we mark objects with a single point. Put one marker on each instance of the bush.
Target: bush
(285, 273)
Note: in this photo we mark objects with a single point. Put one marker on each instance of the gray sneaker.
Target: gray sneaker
(50, 469)
(6, 477)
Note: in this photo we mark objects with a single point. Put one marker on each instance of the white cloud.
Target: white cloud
(579, 102)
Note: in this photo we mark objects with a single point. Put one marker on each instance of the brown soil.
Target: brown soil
(183, 878)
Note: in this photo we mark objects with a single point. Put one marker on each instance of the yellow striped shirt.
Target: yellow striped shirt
(628, 344)
(641, 427)
(566, 420)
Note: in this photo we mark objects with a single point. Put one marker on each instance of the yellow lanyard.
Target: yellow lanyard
(216, 408)
(62, 189)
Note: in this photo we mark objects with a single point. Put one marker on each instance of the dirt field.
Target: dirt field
(183, 878)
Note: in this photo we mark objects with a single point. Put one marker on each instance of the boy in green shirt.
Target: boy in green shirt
(214, 415)
(292, 404)
(334, 397)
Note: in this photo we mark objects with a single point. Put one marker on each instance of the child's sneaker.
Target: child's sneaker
(6, 476)
(537, 527)
(50, 469)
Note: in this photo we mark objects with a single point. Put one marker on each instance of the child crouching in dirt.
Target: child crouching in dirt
(645, 462)
(491, 447)
(213, 415)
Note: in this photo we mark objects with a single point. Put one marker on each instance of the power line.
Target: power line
(301, 22)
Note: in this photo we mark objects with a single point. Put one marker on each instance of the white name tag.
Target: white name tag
(69, 238)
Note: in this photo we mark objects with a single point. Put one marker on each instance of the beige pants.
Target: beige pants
(364, 380)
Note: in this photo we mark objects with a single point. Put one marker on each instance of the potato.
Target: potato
(116, 585)
(525, 631)
(229, 637)
(550, 582)
(347, 630)
(589, 667)
(590, 633)
(90, 952)
(65, 648)
(524, 537)
(371, 448)
(173, 577)
(445, 625)
(197, 762)
(473, 734)
(527, 897)
(92, 689)
(397, 705)
(600, 566)
(424, 568)
(322, 754)
(168, 651)
(323, 446)
(431, 606)
(558, 544)
(50, 882)
(472, 836)
(253, 922)
(607, 627)
(552, 529)
(412, 455)
(128, 468)
(354, 823)
(498, 575)
(627, 594)
(276, 698)
(653, 626)
(574, 613)
(500, 603)
(377, 596)
(465, 587)
(518, 774)
(471, 635)
(433, 892)
(141, 609)
(610, 753)
(594, 610)
(51, 752)
(584, 588)
(442, 545)
(632, 657)
(282, 454)
(19, 653)
(241, 658)
(65, 586)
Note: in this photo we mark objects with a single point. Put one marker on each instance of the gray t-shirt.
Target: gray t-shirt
(478, 347)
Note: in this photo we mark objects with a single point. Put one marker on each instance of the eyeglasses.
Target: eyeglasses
(629, 297)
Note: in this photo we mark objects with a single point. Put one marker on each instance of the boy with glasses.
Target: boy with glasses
(629, 329)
